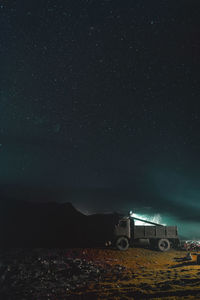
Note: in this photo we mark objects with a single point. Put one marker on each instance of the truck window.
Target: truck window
(123, 224)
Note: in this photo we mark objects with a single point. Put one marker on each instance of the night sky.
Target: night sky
(99, 105)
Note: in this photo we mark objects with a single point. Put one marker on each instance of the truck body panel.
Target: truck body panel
(150, 232)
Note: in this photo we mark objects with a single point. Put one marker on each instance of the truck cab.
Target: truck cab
(122, 233)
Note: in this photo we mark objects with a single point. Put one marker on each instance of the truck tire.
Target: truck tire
(122, 243)
(163, 245)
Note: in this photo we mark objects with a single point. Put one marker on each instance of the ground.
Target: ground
(137, 273)
(148, 275)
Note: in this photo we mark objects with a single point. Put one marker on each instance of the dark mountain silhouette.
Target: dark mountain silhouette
(31, 224)
(39, 224)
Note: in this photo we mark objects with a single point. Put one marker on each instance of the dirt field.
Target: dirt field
(138, 273)
(148, 275)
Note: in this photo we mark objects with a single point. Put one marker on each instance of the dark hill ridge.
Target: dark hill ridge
(39, 224)
(28, 224)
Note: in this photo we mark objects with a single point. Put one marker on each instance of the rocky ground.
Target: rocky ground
(138, 273)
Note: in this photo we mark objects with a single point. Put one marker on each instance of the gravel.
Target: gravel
(49, 274)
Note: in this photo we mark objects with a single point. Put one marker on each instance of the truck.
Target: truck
(158, 236)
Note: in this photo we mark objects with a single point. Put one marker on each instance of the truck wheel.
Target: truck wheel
(122, 243)
(163, 245)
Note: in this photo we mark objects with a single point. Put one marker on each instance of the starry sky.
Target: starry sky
(99, 105)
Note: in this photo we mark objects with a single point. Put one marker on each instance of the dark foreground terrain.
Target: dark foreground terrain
(97, 274)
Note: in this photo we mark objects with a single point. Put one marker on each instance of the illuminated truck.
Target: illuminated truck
(158, 236)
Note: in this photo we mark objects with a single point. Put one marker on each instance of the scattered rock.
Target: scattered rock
(188, 256)
(49, 275)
